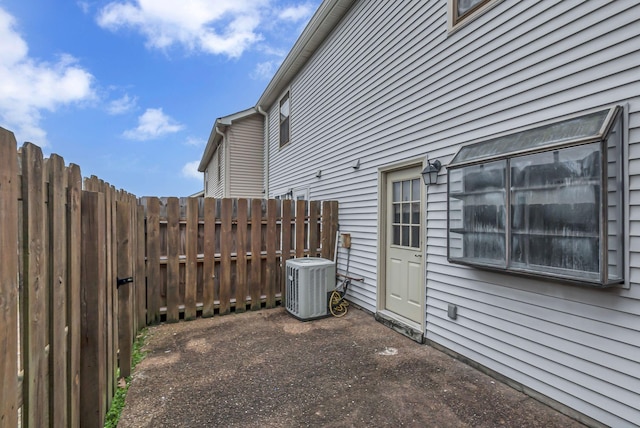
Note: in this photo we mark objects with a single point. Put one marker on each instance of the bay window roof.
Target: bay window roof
(585, 128)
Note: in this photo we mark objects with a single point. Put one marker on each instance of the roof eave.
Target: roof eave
(323, 22)
(214, 138)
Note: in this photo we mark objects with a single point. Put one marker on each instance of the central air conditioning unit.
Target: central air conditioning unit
(310, 280)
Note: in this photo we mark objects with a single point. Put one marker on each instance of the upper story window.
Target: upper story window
(284, 120)
(545, 201)
(462, 10)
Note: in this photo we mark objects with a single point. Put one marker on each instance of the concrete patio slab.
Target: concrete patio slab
(268, 369)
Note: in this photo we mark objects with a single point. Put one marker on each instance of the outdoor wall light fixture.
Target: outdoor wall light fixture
(356, 164)
(430, 173)
(319, 173)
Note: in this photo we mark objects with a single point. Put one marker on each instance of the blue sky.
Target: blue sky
(129, 89)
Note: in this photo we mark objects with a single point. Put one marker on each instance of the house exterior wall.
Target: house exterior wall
(215, 187)
(245, 139)
(391, 84)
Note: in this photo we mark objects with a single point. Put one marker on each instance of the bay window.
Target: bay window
(544, 201)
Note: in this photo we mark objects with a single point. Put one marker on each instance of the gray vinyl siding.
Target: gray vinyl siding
(245, 158)
(217, 179)
(391, 84)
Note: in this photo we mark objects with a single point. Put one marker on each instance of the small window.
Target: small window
(545, 201)
(462, 9)
(284, 120)
(405, 225)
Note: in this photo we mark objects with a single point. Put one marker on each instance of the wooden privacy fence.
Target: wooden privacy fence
(83, 269)
(208, 255)
(64, 331)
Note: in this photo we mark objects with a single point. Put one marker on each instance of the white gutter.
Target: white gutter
(266, 150)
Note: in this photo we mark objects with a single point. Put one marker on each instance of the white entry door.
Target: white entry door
(404, 285)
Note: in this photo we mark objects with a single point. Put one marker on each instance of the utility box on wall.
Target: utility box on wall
(309, 282)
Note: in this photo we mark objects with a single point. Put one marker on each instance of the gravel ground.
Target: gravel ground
(267, 369)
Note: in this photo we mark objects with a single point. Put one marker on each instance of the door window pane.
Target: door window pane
(405, 213)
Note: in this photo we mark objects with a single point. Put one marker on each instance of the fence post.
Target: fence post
(93, 372)
(125, 310)
(8, 280)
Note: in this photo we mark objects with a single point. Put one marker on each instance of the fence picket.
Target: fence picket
(225, 257)
(153, 256)
(287, 211)
(173, 261)
(57, 290)
(271, 254)
(111, 296)
(191, 274)
(8, 279)
(326, 228)
(74, 251)
(140, 275)
(241, 259)
(314, 215)
(93, 372)
(35, 328)
(256, 253)
(300, 228)
(209, 257)
(125, 310)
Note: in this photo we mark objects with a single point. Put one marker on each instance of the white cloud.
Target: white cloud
(195, 142)
(122, 105)
(29, 86)
(84, 6)
(297, 13)
(225, 27)
(190, 170)
(153, 124)
(265, 70)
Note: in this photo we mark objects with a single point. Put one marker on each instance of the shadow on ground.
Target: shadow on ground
(267, 369)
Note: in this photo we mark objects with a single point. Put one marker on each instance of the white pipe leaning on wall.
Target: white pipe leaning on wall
(266, 150)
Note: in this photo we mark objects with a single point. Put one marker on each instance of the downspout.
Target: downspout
(224, 145)
(266, 150)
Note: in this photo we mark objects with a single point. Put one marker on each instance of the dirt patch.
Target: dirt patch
(268, 369)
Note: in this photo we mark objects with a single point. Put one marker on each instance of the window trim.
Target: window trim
(615, 116)
(285, 97)
(456, 22)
